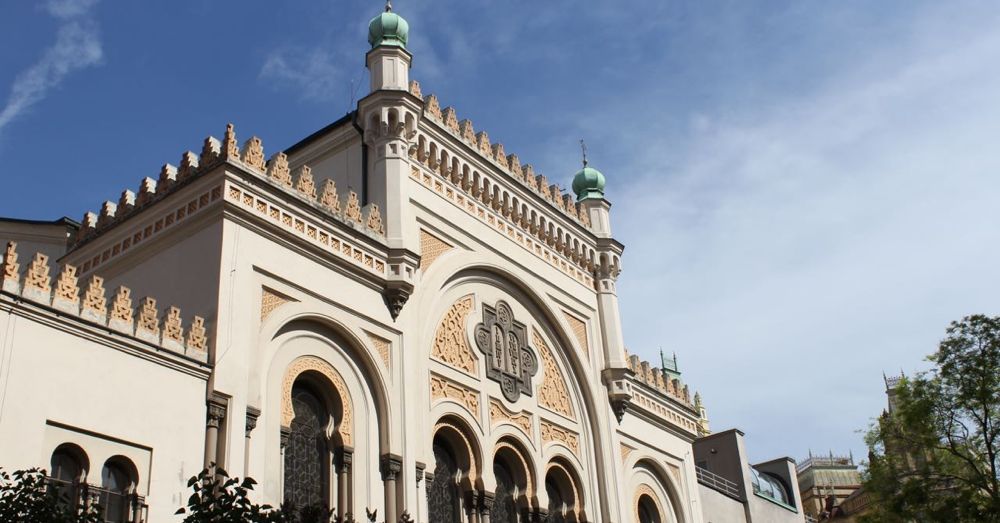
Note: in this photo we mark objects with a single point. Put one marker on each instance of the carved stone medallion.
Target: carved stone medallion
(509, 360)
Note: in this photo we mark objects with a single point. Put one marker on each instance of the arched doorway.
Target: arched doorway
(456, 462)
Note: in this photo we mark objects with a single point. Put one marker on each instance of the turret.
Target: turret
(388, 115)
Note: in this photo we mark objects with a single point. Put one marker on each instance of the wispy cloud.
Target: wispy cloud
(77, 46)
(316, 74)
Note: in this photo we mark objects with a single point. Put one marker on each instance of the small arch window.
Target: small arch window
(648, 512)
(768, 486)
(68, 471)
(117, 487)
(443, 495)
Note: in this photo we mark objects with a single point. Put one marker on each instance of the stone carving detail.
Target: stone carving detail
(37, 278)
(305, 184)
(270, 300)
(148, 322)
(352, 210)
(253, 153)
(373, 221)
(197, 338)
(67, 286)
(189, 165)
(443, 388)
(230, 149)
(451, 345)
(431, 248)
(121, 307)
(432, 108)
(312, 363)
(500, 414)
(167, 179)
(509, 360)
(451, 120)
(94, 301)
(277, 170)
(147, 191)
(382, 346)
(173, 328)
(210, 151)
(328, 198)
(552, 433)
(579, 330)
(11, 269)
(415, 88)
(483, 142)
(499, 155)
(467, 132)
(553, 393)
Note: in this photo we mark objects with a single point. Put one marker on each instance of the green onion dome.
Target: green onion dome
(588, 184)
(388, 28)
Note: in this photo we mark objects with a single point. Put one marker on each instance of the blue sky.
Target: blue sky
(806, 190)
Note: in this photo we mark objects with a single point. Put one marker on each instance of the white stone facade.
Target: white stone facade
(353, 271)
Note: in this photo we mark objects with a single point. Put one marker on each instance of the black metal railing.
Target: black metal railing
(717, 482)
(112, 506)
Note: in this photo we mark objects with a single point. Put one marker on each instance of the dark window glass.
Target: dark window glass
(647, 511)
(115, 487)
(66, 474)
(306, 455)
(556, 502)
(442, 494)
(504, 506)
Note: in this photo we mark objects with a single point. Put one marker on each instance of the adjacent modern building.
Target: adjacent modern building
(734, 490)
(825, 482)
(394, 313)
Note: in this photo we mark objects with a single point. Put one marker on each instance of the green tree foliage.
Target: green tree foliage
(26, 498)
(934, 455)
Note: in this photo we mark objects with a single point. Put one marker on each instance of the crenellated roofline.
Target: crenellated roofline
(114, 311)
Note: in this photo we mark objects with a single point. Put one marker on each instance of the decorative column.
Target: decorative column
(252, 415)
(420, 509)
(391, 467)
(216, 416)
(283, 437)
(345, 457)
(485, 506)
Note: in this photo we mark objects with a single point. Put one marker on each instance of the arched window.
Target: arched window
(443, 497)
(68, 471)
(505, 503)
(647, 510)
(307, 454)
(117, 484)
(557, 503)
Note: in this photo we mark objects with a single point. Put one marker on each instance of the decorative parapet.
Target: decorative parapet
(300, 184)
(143, 322)
(656, 379)
(493, 152)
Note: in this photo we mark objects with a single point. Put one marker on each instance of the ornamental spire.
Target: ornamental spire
(583, 148)
(388, 6)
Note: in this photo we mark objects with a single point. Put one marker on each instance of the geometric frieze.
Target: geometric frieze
(504, 342)
(553, 393)
(431, 247)
(382, 346)
(552, 433)
(443, 388)
(579, 330)
(450, 342)
(500, 415)
(271, 300)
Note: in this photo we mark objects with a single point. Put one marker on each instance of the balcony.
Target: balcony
(718, 483)
(112, 506)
